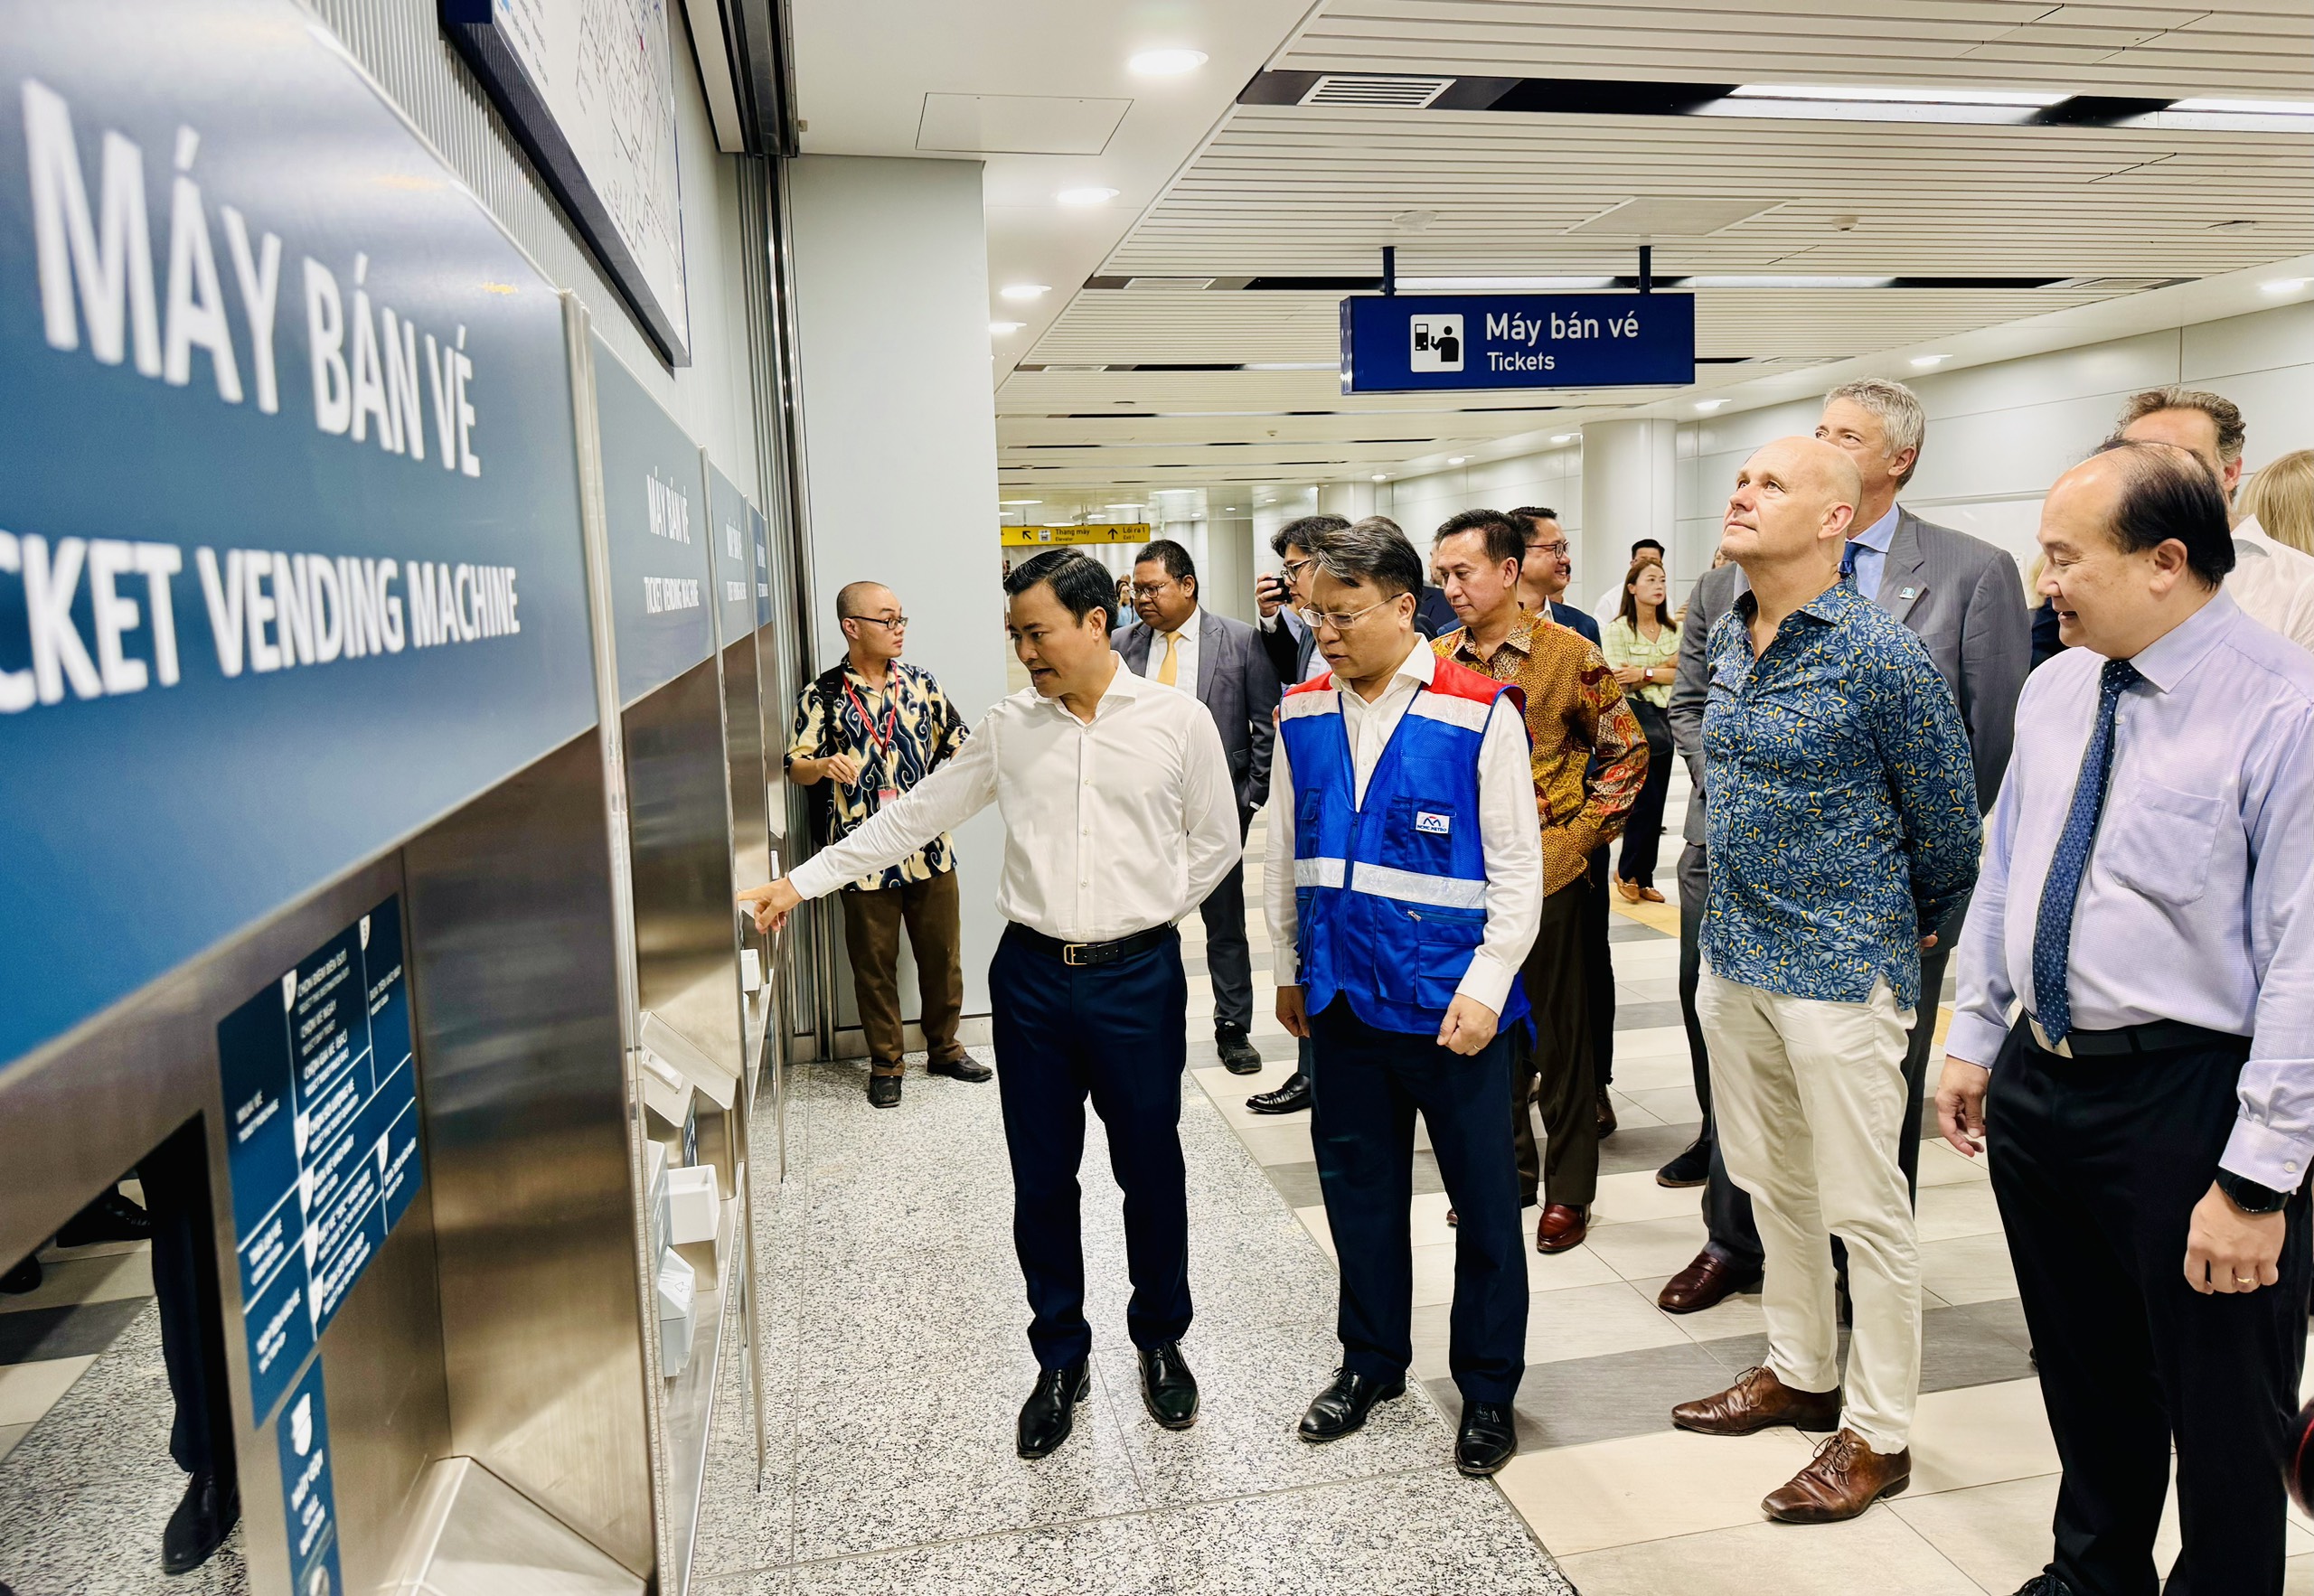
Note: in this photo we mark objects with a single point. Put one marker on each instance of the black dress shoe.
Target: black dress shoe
(1691, 1168)
(199, 1526)
(2045, 1583)
(1289, 1099)
(1236, 1051)
(1050, 1411)
(1487, 1440)
(1342, 1407)
(884, 1091)
(959, 1069)
(25, 1277)
(1167, 1389)
(112, 1217)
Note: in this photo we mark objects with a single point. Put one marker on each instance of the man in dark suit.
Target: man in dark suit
(1542, 582)
(1962, 597)
(1181, 644)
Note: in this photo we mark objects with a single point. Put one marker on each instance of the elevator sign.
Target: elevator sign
(1392, 343)
(321, 1129)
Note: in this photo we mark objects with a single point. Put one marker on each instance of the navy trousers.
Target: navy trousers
(1116, 1033)
(1366, 1086)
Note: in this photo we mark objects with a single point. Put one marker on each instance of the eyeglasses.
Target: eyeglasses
(1151, 589)
(896, 622)
(1553, 549)
(1292, 570)
(1314, 618)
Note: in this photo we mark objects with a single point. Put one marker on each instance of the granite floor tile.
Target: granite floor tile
(1876, 1552)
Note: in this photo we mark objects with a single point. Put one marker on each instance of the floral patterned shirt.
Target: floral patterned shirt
(1589, 754)
(1843, 817)
(899, 735)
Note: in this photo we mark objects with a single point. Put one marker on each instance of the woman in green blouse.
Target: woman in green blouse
(1643, 645)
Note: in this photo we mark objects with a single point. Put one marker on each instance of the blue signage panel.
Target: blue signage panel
(321, 1121)
(1392, 343)
(309, 1498)
(735, 572)
(655, 505)
(289, 550)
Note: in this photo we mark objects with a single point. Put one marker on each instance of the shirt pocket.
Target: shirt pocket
(1418, 835)
(2165, 842)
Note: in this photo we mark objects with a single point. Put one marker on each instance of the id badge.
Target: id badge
(886, 795)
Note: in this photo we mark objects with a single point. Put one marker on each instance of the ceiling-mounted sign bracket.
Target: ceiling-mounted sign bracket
(1401, 343)
(1647, 268)
(1390, 270)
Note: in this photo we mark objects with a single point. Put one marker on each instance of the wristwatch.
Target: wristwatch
(2249, 1196)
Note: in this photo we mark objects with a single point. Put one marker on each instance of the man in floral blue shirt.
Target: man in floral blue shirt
(1843, 828)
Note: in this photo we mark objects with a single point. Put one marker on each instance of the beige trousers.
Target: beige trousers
(1809, 1099)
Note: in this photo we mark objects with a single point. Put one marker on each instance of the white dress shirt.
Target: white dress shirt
(2198, 901)
(1185, 661)
(1111, 826)
(2272, 582)
(1506, 828)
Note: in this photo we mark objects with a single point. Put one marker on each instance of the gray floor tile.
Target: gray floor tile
(1959, 1348)
(1620, 929)
(1633, 1017)
(1602, 1398)
(1645, 1147)
(82, 1330)
(1298, 1183)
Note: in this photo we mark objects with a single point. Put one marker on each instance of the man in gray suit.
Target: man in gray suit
(1181, 644)
(1965, 600)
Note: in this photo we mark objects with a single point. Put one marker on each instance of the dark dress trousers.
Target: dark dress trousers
(1113, 1033)
(1239, 689)
(175, 1179)
(1365, 1088)
(2097, 1164)
(1598, 963)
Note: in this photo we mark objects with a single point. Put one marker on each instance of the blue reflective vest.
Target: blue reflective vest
(1390, 897)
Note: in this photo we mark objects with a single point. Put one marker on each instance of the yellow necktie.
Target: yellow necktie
(1173, 659)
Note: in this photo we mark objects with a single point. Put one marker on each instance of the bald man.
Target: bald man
(1843, 830)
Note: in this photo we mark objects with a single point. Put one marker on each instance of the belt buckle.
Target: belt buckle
(2041, 1040)
(1069, 951)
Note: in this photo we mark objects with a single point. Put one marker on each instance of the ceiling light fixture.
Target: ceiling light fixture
(1381, 476)
(1456, 459)
(1086, 196)
(1019, 503)
(1025, 290)
(1707, 406)
(1845, 95)
(2284, 285)
(1924, 362)
(1563, 437)
(999, 329)
(1165, 63)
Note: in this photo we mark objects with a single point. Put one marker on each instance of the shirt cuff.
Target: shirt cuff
(1974, 1039)
(1285, 963)
(2267, 1156)
(1488, 982)
(814, 878)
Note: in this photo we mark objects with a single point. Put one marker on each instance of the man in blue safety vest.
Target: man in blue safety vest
(1406, 883)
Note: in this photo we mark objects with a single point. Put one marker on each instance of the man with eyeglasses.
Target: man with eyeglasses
(1404, 880)
(1219, 660)
(870, 728)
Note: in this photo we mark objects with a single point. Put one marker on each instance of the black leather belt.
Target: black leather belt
(1093, 953)
(2157, 1035)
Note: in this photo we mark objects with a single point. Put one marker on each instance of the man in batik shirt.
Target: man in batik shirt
(871, 728)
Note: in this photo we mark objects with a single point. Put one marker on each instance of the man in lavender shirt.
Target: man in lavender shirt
(2146, 910)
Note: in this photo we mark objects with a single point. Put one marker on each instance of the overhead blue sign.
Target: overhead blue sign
(1394, 343)
(320, 1127)
(308, 1495)
(655, 507)
(289, 552)
(735, 558)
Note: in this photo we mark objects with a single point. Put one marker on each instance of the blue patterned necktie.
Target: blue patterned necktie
(1848, 561)
(2052, 927)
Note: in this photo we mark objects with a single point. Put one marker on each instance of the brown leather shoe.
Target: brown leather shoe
(1707, 1282)
(1606, 1105)
(1563, 1225)
(1845, 1477)
(1759, 1401)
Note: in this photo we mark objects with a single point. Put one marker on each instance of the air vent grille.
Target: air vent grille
(2116, 285)
(1376, 91)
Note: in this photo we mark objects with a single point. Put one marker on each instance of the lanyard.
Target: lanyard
(883, 739)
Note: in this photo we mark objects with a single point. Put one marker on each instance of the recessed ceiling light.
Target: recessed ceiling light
(999, 329)
(1019, 503)
(1086, 196)
(1563, 437)
(1893, 96)
(1229, 509)
(1165, 63)
(2284, 285)
(1381, 476)
(1925, 361)
(1025, 290)
(1456, 459)
(1710, 404)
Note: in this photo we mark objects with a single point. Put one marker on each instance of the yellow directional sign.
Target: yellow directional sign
(1057, 537)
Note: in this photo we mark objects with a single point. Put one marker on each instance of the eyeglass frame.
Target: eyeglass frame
(896, 623)
(1313, 617)
(1141, 590)
(1554, 550)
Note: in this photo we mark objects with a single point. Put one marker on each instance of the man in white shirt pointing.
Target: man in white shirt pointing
(1119, 819)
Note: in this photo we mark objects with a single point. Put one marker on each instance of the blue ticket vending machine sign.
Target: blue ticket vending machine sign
(309, 1498)
(655, 505)
(736, 571)
(290, 560)
(320, 1116)
(1394, 343)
